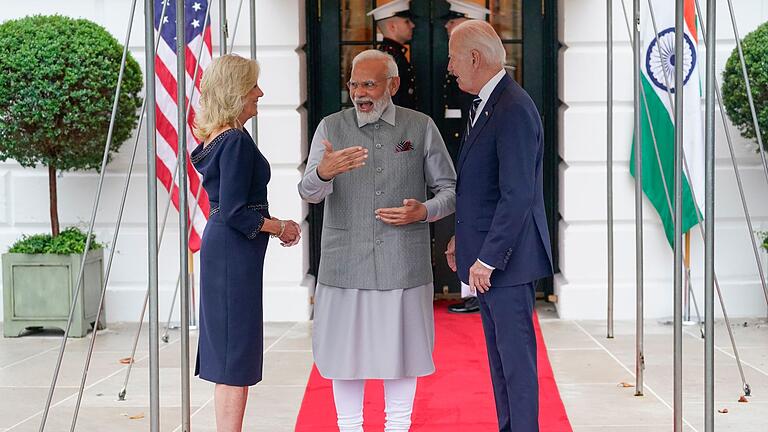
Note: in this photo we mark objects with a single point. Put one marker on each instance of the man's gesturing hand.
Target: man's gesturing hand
(411, 211)
(450, 253)
(341, 161)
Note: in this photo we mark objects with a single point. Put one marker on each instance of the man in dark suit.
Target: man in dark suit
(501, 246)
(454, 121)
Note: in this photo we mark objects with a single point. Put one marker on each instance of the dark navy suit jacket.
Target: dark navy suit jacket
(500, 217)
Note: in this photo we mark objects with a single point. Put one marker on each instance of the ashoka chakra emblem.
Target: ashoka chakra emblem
(660, 59)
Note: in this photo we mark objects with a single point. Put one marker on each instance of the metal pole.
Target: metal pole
(737, 172)
(747, 389)
(609, 161)
(639, 355)
(181, 128)
(739, 182)
(115, 235)
(254, 120)
(124, 389)
(237, 22)
(750, 98)
(152, 249)
(678, 237)
(223, 27)
(709, 222)
(88, 239)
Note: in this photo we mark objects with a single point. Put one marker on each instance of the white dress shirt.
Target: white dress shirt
(486, 91)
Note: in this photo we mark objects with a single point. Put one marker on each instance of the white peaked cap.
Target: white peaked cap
(469, 10)
(393, 8)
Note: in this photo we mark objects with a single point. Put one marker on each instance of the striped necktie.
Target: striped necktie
(471, 119)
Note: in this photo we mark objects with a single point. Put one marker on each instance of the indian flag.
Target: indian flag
(657, 116)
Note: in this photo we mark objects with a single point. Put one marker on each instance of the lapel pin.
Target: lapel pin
(486, 113)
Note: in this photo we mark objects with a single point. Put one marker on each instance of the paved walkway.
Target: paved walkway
(589, 369)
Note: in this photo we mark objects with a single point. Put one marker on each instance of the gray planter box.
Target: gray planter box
(38, 291)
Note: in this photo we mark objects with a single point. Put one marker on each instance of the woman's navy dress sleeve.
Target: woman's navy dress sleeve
(235, 176)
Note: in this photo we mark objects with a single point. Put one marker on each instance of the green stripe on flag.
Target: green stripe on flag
(653, 184)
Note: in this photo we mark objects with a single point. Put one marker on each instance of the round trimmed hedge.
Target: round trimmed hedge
(57, 83)
(755, 47)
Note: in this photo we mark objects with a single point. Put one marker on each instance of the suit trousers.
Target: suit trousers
(507, 316)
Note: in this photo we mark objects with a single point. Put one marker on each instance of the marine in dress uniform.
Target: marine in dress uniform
(395, 24)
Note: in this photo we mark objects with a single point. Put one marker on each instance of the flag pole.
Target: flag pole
(687, 282)
(678, 216)
(181, 95)
(709, 222)
(222, 27)
(639, 326)
(609, 161)
(152, 247)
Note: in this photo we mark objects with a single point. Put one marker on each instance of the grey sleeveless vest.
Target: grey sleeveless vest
(359, 251)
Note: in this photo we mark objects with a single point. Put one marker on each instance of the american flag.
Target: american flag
(166, 111)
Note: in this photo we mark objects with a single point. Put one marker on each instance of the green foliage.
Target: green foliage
(755, 46)
(70, 241)
(57, 83)
(764, 238)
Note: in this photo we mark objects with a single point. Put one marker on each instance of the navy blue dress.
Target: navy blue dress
(231, 341)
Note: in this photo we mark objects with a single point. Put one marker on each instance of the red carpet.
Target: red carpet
(458, 397)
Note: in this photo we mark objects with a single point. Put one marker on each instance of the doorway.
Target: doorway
(337, 30)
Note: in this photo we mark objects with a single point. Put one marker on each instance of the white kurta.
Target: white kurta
(371, 334)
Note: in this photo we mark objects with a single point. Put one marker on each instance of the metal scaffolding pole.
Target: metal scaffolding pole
(609, 161)
(110, 260)
(639, 326)
(88, 241)
(700, 225)
(709, 218)
(181, 127)
(223, 27)
(152, 249)
(237, 23)
(740, 185)
(739, 182)
(678, 236)
(747, 83)
(123, 390)
(753, 110)
(254, 46)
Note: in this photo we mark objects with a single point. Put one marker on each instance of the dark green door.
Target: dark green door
(339, 29)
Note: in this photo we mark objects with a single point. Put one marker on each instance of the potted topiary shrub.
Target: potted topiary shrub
(755, 47)
(39, 277)
(57, 83)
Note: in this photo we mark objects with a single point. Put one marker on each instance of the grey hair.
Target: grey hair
(373, 54)
(480, 36)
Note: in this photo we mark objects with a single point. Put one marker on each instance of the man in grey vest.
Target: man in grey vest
(373, 164)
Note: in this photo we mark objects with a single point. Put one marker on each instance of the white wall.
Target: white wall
(581, 287)
(282, 138)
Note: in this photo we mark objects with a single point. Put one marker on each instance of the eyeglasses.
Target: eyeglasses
(368, 85)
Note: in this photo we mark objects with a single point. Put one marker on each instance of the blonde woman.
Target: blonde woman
(235, 175)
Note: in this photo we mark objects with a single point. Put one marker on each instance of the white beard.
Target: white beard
(379, 106)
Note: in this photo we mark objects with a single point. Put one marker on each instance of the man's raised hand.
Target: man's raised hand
(337, 162)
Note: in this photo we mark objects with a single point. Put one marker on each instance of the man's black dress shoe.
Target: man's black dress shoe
(469, 305)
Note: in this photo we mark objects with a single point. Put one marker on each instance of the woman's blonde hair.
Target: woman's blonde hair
(225, 83)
